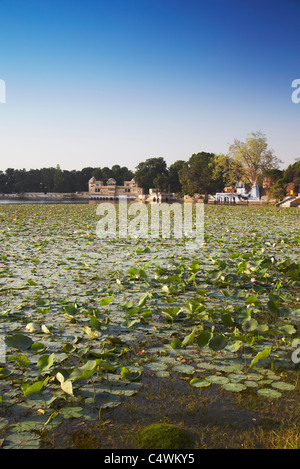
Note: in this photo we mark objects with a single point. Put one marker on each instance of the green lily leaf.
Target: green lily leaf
(130, 375)
(35, 388)
(249, 325)
(189, 338)
(21, 360)
(261, 356)
(19, 341)
(218, 342)
(204, 338)
(84, 372)
(45, 362)
(176, 343)
(106, 301)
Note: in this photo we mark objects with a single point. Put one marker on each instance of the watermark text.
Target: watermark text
(296, 92)
(2, 91)
(160, 220)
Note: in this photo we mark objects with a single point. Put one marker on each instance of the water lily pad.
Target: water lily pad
(19, 341)
(162, 374)
(23, 440)
(176, 343)
(38, 347)
(154, 366)
(130, 375)
(236, 377)
(30, 424)
(206, 366)
(21, 360)
(71, 412)
(254, 376)
(45, 362)
(200, 383)
(103, 400)
(182, 368)
(5, 373)
(263, 382)
(3, 422)
(250, 384)
(218, 342)
(269, 393)
(234, 387)
(282, 386)
(217, 379)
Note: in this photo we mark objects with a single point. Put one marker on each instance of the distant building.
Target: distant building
(229, 189)
(155, 195)
(268, 182)
(111, 191)
(239, 195)
(292, 189)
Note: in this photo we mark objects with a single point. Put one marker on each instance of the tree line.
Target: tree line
(205, 173)
(58, 180)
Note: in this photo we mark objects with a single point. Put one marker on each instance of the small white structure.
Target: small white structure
(254, 194)
(239, 195)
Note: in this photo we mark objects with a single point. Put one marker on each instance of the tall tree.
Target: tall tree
(107, 173)
(197, 175)
(121, 174)
(161, 182)
(58, 180)
(292, 173)
(174, 169)
(148, 170)
(252, 158)
(47, 175)
(225, 170)
(10, 180)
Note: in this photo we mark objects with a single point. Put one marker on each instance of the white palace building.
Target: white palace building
(239, 195)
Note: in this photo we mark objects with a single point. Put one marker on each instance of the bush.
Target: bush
(164, 436)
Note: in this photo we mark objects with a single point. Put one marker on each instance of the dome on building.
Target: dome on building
(111, 181)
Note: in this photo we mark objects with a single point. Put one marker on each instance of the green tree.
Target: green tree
(58, 180)
(3, 182)
(106, 174)
(97, 173)
(148, 170)
(10, 180)
(292, 173)
(250, 159)
(225, 170)
(33, 180)
(174, 182)
(47, 176)
(197, 175)
(161, 182)
(278, 191)
(20, 180)
(121, 174)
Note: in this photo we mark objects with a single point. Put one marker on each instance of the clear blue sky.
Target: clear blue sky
(103, 82)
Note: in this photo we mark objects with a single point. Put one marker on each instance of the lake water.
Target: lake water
(13, 202)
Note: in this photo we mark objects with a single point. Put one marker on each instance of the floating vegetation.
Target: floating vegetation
(83, 318)
(164, 436)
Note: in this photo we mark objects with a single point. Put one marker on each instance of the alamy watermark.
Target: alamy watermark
(2, 91)
(296, 353)
(2, 348)
(296, 93)
(157, 220)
